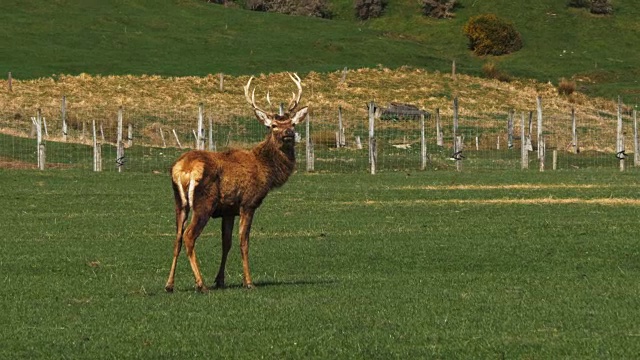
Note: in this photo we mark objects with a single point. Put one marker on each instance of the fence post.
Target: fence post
(97, 150)
(200, 134)
(541, 143)
(423, 144)
(164, 143)
(524, 150)
(439, 136)
(453, 69)
(510, 130)
(620, 137)
(41, 151)
(175, 135)
(341, 141)
(574, 131)
(63, 112)
(636, 155)
(221, 77)
(10, 82)
(130, 135)
(212, 144)
(457, 140)
(309, 143)
(119, 143)
(372, 140)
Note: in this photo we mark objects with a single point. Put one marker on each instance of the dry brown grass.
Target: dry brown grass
(98, 97)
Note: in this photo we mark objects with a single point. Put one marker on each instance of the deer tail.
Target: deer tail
(185, 184)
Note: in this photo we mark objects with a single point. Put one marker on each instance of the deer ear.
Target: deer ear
(300, 115)
(263, 117)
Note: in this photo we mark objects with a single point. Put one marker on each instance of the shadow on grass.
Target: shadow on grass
(257, 285)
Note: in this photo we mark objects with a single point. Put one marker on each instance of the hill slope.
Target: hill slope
(191, 37)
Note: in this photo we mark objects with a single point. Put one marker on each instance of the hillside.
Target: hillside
(194, 38)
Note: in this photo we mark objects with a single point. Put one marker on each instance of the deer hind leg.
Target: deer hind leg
(227, 234)
(198, 222)
(246, 217)
(182, 213)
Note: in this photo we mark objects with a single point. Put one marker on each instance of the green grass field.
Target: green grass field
(431, 264)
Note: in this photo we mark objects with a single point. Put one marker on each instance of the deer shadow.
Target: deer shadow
(261, 284)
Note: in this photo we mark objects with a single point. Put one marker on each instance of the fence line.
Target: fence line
(332, 142)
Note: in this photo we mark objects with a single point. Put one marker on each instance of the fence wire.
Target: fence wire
(153, 141)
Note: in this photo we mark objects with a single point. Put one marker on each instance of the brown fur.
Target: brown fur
(229, 184)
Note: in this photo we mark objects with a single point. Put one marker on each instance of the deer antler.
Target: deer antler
(251, 100)
(296, 98)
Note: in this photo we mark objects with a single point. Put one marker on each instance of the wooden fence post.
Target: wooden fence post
(510, 130)
(423, 144)
(164, 143)
(574, 132)
(10, 82)
(41, 150)
(309, 145)
(212, 144)
(175, 135)
(457, 140)
(620, 137)
(63, 112)
(340, 139)
(439, 135)
(453, 69)
(372, 140)
(541, 142)
(221, 77)
(524, 150)
(200, 134)
(130, 135)
(636, 155)
(44, 125)
(97, 150)
(119, 143)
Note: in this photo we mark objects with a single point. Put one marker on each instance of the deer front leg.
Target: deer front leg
(227, 233)
(246, 217)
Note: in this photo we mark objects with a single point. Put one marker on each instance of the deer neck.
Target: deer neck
(278, 162)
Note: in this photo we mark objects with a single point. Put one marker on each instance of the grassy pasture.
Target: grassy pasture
(192, 37)
(423, 264)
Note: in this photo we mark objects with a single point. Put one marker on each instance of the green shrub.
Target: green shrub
(368, 9)
(566, 87)
(439, 9)
(491, 35)
(601, 7)
(490, 71)
(579, 3)
(317, 8)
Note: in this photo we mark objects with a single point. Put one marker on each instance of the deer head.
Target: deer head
(282, 126)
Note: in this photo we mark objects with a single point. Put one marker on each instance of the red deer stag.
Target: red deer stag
(225, 185)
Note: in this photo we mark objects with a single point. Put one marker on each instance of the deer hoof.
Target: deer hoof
(249, 286)
(202, 289)
(169, 288)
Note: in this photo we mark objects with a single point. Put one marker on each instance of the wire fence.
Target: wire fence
(338, 139)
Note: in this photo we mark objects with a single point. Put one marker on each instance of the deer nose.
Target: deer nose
(289, 133)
